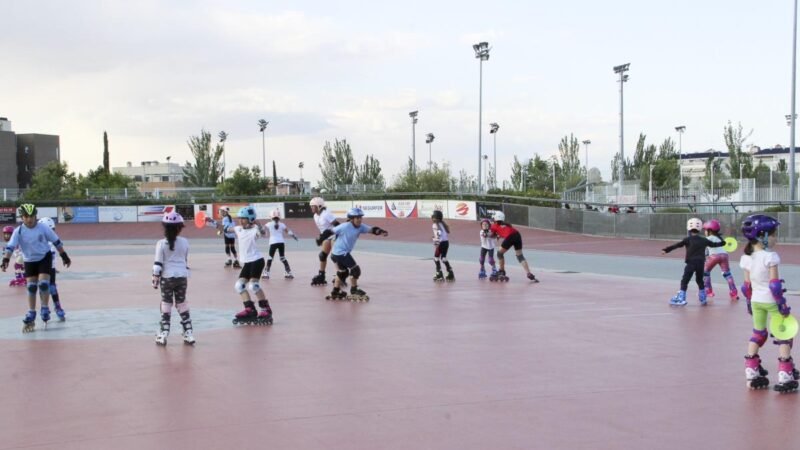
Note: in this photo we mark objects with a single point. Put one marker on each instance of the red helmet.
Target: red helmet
(712, 225)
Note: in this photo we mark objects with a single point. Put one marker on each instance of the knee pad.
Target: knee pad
(520, 258)
(706, 274)
(355, 272)
(789, 342)
(283, 259)
(323, 256)
(726, 274)
(32, 287)
(759, 337)
(501, 256)
(254, 286)
(342, 274)
(44, 286)
(239, 286)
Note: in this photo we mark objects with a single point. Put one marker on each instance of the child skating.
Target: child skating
(19, 267)
(717, 256)
(171, 274)
(249, 282)
(277, 230)
(60, 313)
(325, 221)
(229, 237)
(511, 238)
(32, 238)
(346, 236)
(488, 244)
(764, 290)
(441, 243)
(695, 260)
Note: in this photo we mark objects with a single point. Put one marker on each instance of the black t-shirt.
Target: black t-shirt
(695, 246)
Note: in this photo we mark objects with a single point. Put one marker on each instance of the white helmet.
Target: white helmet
(694, 224)
(317, 201)
(499, 216)
(49, 222)
(276, 213)
(227, 209)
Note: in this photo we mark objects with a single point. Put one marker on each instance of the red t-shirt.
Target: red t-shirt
(503, 231)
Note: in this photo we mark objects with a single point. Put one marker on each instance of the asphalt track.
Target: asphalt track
(592, 357)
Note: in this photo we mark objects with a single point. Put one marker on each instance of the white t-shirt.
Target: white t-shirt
(173, 262)
(715, 250)
(276, 236)
(247, 237)
(324, 220)
(489, 240)
(439, 233)
(758, 265)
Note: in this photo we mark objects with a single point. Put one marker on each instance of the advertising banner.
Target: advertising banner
(297, 210)
(8, 214)
(426, 207)
(339, 209)
(401, 209)
(264, 210)
(461, 210)
(372, 208)
(79, 214)
(153, 213)
(486, 210)
(47, 211)
(117, 214)
(186, 211)
(235, 207)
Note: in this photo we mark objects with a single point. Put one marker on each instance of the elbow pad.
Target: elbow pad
(157, 266)
(777, 290)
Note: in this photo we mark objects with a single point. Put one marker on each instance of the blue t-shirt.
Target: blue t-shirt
(227, 227)
(346, 237)
(34, 242)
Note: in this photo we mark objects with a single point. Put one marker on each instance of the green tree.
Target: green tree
(739, 161)
(207, 168)
(100, 179)
(244, 181)
(665, 166)
(569, 171)
(54, 181)
(338, 166)
(106, 163)
(369, 173)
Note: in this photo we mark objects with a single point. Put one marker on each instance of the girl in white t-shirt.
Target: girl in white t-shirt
(277, 230)
(441, 242)
(717, 256)
(247, 233)
(488, 244)
(171, 273)
(325, 220)
(763, 290)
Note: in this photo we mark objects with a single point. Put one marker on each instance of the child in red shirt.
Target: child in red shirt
(511, 237)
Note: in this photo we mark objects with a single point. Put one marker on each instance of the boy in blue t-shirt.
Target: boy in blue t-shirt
(34, 240)
(346, 236)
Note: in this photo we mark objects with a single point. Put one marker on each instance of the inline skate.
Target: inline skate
(228, 263)
(500, 276)
(357, 295)
(450, 276)
(247, 316)
(236, 264)
(265, 275)
(337, 294)
(188, 333)
(288, 275)
(264, 317)
(45, 313)
(787, 376)
(755, 374)
(701, 295)
(319, 280)
(62, 315)
(533, 278)
(439, 276)
(678, 299)
(29, 322)
(482, 274)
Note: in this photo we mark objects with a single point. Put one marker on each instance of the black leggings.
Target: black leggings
(693, 267)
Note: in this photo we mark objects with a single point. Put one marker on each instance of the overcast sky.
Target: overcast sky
(153, 73)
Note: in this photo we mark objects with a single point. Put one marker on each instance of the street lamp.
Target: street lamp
(680, 129)
(262, 125)
(621, 69)
(493, 128)
(169, 169)
(554, 173)
(482, 54)
(413, 115)
(650, 187)
(429, 140)
(793, 116)
(485, 171)
(302, 185)
(586, 144)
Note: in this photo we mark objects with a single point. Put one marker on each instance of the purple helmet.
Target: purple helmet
(172, 218)
(8, 229)
(758, 225)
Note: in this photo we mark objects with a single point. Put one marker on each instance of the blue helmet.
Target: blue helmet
(355, 212)
(758, 225)
(248, 212)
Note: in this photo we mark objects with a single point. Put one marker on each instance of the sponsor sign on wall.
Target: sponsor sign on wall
(339, 209)
(235, 207)
(79, 214)
(401, 209)
(186, 211)
(47, 211)
(8, 214)
(264, 210)
(117, 213)
(374, 208)
(426, 207)
(461, 210)
(153, 213)
(297, 210)
(487, 210)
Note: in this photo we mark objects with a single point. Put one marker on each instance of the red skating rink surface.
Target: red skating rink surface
(579, 361)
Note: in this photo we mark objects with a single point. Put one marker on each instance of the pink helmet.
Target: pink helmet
(172, 217)
(8, 229)
(712, 225)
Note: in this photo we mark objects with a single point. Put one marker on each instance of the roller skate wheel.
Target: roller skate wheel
(29, 327)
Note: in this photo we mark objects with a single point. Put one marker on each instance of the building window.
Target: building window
(137, 178)
(166, 179)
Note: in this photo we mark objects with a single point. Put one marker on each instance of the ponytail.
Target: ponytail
(171, 232)
(748, 249)
(446, 228)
